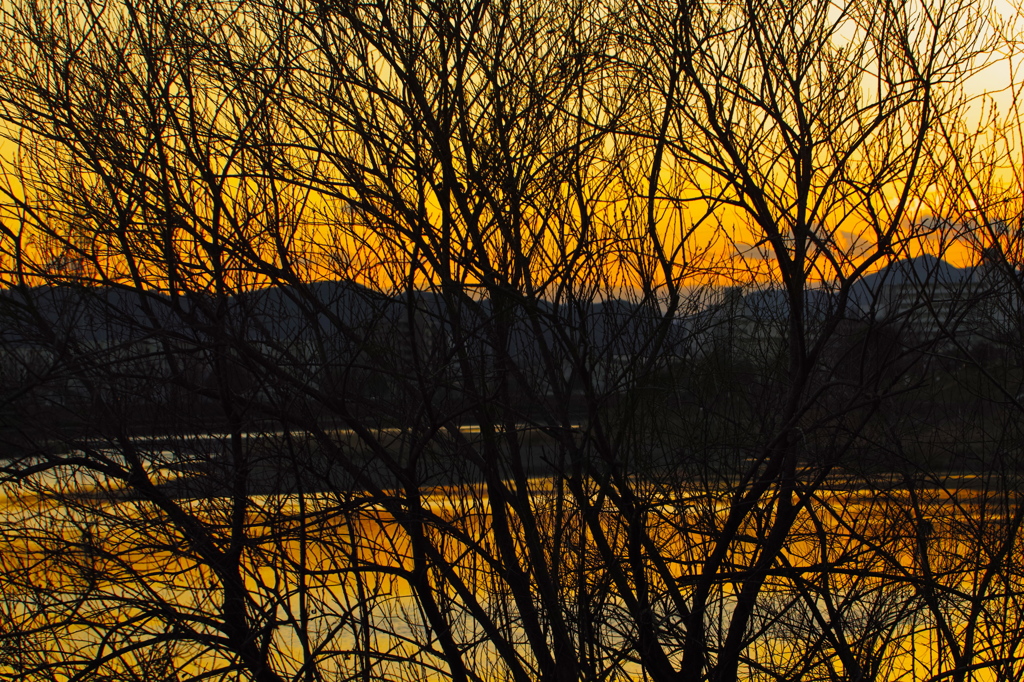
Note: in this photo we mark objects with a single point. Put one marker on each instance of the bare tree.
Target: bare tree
(367, 341)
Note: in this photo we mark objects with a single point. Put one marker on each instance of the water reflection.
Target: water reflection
(884, 582)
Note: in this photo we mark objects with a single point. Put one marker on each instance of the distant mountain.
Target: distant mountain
(919, 270)
(903, 282)
(292, 317)
(89, 315)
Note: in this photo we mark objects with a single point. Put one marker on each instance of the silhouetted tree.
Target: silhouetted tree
(374, 341)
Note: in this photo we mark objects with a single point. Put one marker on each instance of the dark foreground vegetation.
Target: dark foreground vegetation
(517, 340)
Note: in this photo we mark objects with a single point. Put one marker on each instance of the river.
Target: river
(896, 579)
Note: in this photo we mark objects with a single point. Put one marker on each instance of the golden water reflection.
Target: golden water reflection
(886, 582)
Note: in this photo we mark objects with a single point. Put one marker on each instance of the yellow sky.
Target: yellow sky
(995, 82)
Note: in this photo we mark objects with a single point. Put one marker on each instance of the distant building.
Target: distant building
(923, 300)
